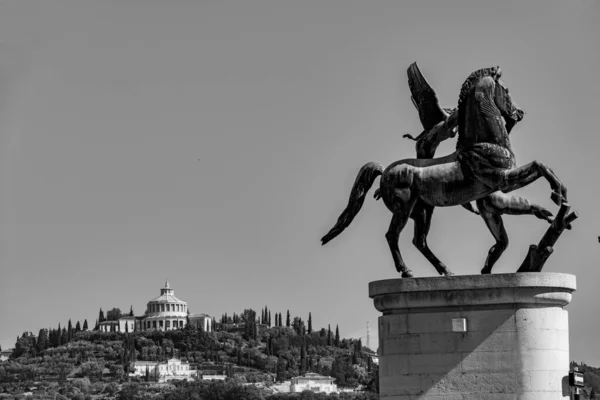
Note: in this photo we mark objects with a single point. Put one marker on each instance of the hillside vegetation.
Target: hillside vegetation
(83, 364)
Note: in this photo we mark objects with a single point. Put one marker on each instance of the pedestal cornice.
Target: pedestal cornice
(541, 288)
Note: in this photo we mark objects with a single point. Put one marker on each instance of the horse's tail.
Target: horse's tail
(362, 184)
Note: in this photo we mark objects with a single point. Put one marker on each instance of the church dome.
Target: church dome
(167, 308)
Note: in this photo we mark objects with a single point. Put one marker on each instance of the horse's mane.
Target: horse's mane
(466, 89)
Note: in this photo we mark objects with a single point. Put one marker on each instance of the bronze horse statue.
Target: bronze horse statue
(482, 165)
(440, 124)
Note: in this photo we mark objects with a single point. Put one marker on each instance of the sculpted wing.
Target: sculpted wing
(424, 98)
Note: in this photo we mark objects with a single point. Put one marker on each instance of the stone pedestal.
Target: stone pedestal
(475, 337)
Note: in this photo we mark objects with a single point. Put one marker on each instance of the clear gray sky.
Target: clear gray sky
(106, 108)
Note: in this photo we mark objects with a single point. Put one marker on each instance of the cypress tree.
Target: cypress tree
(269, 319)
(85, 325)
(328, 335)
(101, 316)
(337, 337)
(77, 327)
(303, 358)
(287, 319)
(64, 336)
(59, 336)
(280, 369)
(309, 323)
(42, 342)
(69, 332)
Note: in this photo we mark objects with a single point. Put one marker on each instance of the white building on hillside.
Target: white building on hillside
(123, 324)
(313, 382)
(201, 321)
(164, 313)
(171, 369)
(5, 355)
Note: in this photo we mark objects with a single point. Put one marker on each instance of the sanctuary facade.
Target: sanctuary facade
(165, 312)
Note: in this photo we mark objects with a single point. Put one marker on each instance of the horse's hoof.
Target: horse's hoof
(407, 273)
(486, 271)
(443, 270)
(544, 214)
(557, 198)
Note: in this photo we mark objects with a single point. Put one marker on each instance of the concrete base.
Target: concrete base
(475, 337)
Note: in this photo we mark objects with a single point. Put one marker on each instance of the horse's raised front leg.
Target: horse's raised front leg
(422, 214)
(496, 227)
(519, 177)
(398, 223)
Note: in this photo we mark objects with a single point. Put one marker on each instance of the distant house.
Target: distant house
(313, 382)
(201, 321)
(213, 377)
(171, 369)
(5, 355)
(374, 356)
(123, 324)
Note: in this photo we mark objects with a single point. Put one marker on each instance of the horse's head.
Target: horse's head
(508, 109)
(487, 94)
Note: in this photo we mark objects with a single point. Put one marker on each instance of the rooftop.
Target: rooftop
(167, 295)
(167, 298)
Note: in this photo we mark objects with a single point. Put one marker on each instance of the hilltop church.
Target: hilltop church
(163, 313)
